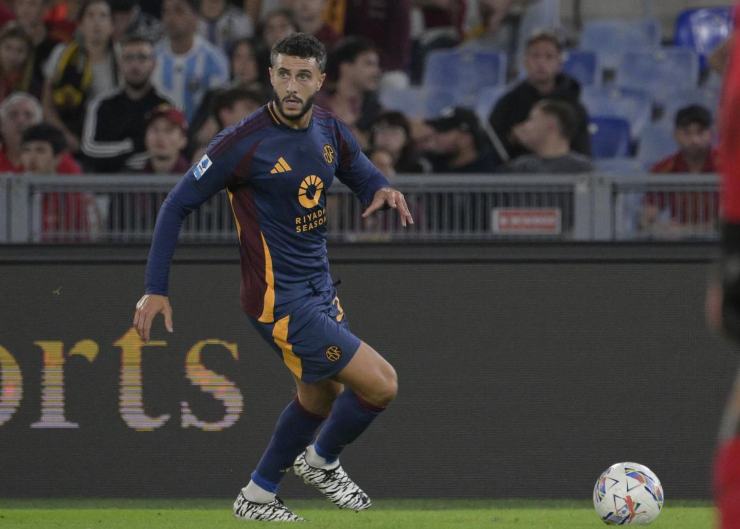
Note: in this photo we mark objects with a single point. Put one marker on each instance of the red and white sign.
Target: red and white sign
(526, 221)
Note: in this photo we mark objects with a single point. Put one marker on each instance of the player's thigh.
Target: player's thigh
(370, 375)
(318, 397)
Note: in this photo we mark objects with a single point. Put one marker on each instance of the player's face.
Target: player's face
(295, 82)
(38, 157)
(543, 61)
(694, 140)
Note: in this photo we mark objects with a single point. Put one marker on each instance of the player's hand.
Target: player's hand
(393, 198)
(146, 309)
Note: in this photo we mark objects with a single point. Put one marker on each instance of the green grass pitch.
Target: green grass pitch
(385, 514)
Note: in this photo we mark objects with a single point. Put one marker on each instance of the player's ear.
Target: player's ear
(321, 81)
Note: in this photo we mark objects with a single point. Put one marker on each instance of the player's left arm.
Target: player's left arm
(366, 181)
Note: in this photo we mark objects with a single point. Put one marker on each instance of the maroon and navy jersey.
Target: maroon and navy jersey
(277, 180)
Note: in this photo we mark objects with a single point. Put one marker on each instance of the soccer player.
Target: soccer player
(276, 166)
(723, 299)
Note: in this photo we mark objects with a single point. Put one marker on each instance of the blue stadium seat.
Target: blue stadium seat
(684, 98)
(659, 72)
(703, 29)
(464, 72)
(656, 142)
(411, 101)
(610, 39)
(635, 106)
(583, 66)
(610, 137)
(487, 99)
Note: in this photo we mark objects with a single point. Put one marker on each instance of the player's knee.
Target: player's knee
(387, 389)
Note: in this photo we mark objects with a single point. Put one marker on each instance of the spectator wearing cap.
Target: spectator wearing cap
(129, 19)
(693, 134)
(79, 71)
(113, 134)
(309, 15)
(165, 139)
(187, 64)
(688, 212)
(548, 133)
(222, 24)
(18, 112)
(16, 67)
(459, 145)
(543, 62)
(63, 215)
(391, 133)
(30, 16)
(355, 65)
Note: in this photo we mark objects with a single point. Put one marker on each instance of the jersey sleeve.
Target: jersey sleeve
(355, 170)
(206, 178)
(730, 133)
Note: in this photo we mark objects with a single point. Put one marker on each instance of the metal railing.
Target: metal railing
(123, 208)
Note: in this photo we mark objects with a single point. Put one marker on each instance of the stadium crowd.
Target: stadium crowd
(122, 86)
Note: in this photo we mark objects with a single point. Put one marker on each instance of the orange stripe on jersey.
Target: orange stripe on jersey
(233, 212)
(268, 306)
(280, 335)
(272, 113)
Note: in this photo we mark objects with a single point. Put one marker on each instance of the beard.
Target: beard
(304, 109)
(137, 85)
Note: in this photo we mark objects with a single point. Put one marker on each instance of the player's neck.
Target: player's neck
(300, 123)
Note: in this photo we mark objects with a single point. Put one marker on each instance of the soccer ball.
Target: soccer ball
(628, 493)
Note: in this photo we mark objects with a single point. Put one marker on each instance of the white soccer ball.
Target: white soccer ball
(628, 494)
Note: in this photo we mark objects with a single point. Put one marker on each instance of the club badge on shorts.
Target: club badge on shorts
(333, 353)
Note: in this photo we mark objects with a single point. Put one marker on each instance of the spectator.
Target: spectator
(354, 99)
(275, 26)
(30, 16)
(79, 71)
(383, 160)
(685, 213)
(113, 136)
(543, 62)
(391, 133)
(15, 60)
(495, 28)
(548, 133)
(244, 66)
(309, 15)
(18, 112)
(225, 108)
(387, 23)
(166, 137)
(129, 19)
(223, 24)
(187, 65)
(63, 215)
(459, 145)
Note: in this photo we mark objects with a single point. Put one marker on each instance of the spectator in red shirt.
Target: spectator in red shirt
(18, 112)
(65, 215)
(680, 213)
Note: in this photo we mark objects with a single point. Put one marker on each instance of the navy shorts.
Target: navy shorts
(313, 340)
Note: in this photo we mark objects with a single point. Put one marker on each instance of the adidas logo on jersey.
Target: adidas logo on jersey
(281, 166)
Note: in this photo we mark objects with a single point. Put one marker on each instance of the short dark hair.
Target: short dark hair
(229, 97)
(544, 35)
(349, 48)
(564, 113)
(693, 115)
(300, 45)
(136, 38)
(48, 133)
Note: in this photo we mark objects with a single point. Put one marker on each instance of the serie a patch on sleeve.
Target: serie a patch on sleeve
(203, 165)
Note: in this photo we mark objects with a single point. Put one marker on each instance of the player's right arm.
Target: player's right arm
(211, 174)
